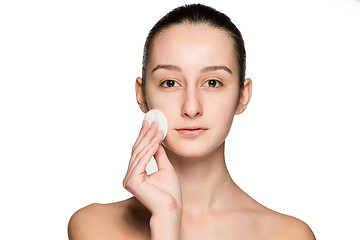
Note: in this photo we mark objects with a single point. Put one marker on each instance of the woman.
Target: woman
(194, 72)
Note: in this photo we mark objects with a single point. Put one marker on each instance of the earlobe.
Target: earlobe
(140, 95)
(245, 96)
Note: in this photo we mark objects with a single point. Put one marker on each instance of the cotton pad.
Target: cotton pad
(155, 115)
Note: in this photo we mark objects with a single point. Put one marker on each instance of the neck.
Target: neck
(205, 181)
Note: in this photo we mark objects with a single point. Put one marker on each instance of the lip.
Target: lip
(191, 132)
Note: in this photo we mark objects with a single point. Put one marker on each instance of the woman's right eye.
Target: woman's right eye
(170, 83)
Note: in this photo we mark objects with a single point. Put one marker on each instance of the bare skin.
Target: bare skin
(192, 196)
(129, 220)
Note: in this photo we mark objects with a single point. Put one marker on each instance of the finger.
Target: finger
(161, 159)
(145, 131)
(144, 153)
(140, 167)
(145, 159)
(145, 135)
(144, 128)
(144, 143)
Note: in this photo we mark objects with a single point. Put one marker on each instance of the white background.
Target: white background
(68, 114)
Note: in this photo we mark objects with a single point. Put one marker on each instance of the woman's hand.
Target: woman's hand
(160, 192)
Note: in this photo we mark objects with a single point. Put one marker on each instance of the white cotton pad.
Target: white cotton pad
(155, 115)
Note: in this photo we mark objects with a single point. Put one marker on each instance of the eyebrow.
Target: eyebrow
(171, 67)
(167, 67)
(216, 68)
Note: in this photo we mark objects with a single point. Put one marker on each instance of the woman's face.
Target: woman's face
(192, 77)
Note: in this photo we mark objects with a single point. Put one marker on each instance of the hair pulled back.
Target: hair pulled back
(197, 14)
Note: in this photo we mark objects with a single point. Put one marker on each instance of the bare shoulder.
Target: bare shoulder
(118, 220)
(272, 225)
(280, 226)
(290, 228)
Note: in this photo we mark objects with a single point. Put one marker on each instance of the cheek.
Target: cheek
(222, 110)
(223, 104)
(167, 103)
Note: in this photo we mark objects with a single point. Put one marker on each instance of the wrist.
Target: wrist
(166, 225)
(173, 215)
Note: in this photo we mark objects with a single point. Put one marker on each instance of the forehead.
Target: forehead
(195, 45)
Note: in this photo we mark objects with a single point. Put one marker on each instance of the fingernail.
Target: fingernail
(158, 133)
(155, 124)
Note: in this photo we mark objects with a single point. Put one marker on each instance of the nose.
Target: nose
(192, 106)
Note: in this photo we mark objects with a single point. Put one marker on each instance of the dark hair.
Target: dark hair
(197, 14)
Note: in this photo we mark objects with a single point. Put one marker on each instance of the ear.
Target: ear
(140, 95)
(245, 96)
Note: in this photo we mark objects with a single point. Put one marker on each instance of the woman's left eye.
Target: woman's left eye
(212, 83)
(169, 83)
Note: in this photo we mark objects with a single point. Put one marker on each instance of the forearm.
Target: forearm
(166, 226)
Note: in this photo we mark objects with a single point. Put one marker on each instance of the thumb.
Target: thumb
(161, 159)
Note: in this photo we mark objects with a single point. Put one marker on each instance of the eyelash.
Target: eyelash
(218, 83)
(163, 84)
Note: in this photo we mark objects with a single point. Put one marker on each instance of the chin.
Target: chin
(190, 149)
